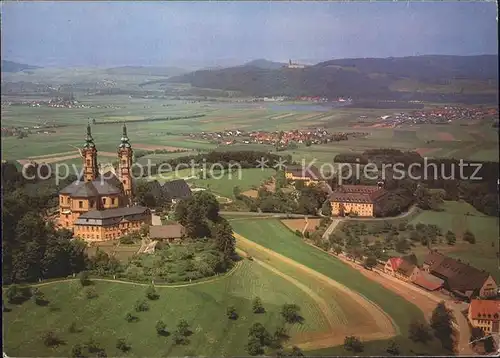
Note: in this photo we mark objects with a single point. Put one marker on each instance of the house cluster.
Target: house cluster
(448, 275)
(311, 136)
(440, 272)
(442, 115)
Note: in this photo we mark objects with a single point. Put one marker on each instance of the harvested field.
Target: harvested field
(445, 136)
(423, 151)
(376, 324)
(283, 116)
(155, 147)
(251, 193)
(294, 224)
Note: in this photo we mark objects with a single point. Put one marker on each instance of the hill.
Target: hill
(362, 78)
(265, 64)
(10, 66)
(146, 71)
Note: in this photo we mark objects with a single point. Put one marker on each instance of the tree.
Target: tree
(291, 313)
(223, 234)
(450, 237)
(326, 208)
(77, 351)
(353, 344)
(151, 293)
(258, 331)
(370, 262)
(476, 334)
(489, 344)
(419, 332)
(393, 348)
(231, 313)
(84, 278)
(122, 345)
(160, 327)
(441, 323)
(257, 306)
(183, 327)
(254, 347)
(141, 306)
(469, 237)
(39, 297)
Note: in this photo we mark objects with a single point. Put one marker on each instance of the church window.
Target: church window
(113, 201)
(88, 162)
(124, 162)
(104, 201)
(80, 204)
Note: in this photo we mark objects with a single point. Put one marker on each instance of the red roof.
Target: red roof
(485, 309)
(428, 281)
(395, 262)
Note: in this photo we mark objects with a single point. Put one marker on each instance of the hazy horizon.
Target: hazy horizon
(108, 34)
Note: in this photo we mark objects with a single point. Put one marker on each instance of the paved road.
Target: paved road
(330, 228)
(272, 215)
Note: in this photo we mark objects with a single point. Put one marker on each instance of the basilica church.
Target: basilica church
(98, 206)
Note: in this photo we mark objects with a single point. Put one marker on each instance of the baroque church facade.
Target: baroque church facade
(98, 206)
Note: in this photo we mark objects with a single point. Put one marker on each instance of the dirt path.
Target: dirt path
(386, 326)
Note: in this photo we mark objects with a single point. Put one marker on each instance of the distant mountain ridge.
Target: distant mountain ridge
(265, 64)
(11, 66)
(357, 78)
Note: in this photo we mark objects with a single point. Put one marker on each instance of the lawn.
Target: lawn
(203, 306)
(458, 217)
(244, 179)
(275, 236)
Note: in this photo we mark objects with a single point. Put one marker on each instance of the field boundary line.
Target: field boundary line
(367, 304)
(216, 278)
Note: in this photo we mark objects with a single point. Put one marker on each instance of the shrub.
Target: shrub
(291, 313)
(141, 306)
(122, 345)
(84, 278)
(160, 327)
(77, 351)
(129, 317)
(50, 339)
(419, 332)
(231, 313)
(354, 344)
(298, 233)
(151, 293)
(257, 306)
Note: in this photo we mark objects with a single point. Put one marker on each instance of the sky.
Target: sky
(103, 34)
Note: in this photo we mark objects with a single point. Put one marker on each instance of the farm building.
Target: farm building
(459, 278)
(176, 190)
(360, 200)
(404, 268)
(308, 175)
(485, 314)
(170, 232)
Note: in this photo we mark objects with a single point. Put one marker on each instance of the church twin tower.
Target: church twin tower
(91, 170)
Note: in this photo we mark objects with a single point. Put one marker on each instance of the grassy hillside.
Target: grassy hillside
(202, 306)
